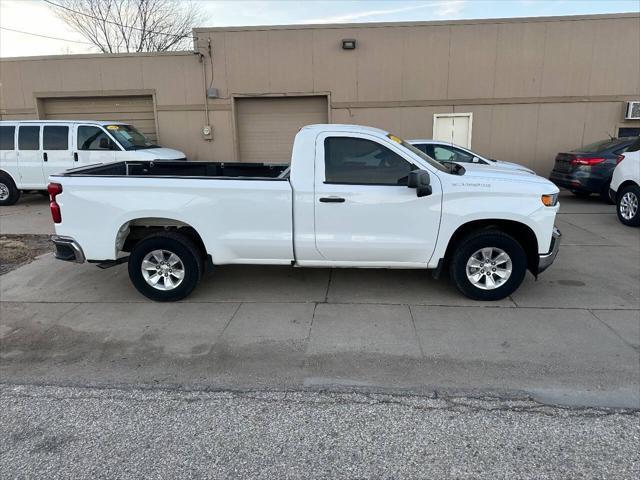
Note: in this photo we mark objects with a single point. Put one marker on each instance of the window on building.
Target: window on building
(628, 132)
(55, 138)
(7, 134)
(94, 138)
(364, 162)
(29, 138)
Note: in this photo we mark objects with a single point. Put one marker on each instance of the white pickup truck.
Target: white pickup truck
(352, 197)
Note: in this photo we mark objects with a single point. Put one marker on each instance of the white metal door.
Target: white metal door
(30, 156)
(453, 128)
(373, 224)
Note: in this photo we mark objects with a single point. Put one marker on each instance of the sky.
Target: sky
(34, 16)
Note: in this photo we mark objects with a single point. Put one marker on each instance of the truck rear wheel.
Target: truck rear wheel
(165, 266)
(9, 194)
(488, 265)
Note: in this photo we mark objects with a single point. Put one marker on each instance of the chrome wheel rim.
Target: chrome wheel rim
(628, 205)
(4, 192)
(489, 268)
(162, 269)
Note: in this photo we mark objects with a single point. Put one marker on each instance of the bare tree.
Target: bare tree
(131, 25)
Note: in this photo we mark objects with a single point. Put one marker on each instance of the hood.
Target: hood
(499, 173)
(510, 166)
(161, 153)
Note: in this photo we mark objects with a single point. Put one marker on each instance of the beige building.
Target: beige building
(513, 89)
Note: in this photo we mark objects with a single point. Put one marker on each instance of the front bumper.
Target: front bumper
(68, 249)
(545, 260)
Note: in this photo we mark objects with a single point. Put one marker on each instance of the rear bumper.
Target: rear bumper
(580, 181)
(545, 260)
(68, 249)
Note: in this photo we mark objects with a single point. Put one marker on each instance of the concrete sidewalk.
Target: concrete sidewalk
(571, 337)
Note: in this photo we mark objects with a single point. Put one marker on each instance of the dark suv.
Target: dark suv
(589, 169)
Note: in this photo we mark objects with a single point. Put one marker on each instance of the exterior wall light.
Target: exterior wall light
(349, 44)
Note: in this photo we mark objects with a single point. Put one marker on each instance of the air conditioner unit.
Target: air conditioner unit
(633, 111)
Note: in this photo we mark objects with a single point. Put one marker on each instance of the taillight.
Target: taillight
(586, 161)
(619, 159)
(54, 190)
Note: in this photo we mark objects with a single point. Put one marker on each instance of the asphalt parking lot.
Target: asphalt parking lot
(278, 372)
(572, 337)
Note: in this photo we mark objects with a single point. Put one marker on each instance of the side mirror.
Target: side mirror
(105, 144)
(475, 160)
(420, 180)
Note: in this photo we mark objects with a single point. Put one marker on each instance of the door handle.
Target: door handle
(45, 157)
(75, 156)
(332, 200)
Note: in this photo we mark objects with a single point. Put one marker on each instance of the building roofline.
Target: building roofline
(334, 26)
(80, 56)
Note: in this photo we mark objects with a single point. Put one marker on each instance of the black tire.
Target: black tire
(182, 246)
(8, 190)
(581, 194)
(485, 239)
(629, 193)
(604, 194)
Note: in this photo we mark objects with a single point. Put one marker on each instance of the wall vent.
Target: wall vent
(633, 111)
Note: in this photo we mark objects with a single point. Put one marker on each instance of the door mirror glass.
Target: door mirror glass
(420, 180)
(105, 144)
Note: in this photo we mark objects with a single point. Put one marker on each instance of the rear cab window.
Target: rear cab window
(29, 137)
(7, 137)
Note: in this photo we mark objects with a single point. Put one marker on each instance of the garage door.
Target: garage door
(136, 110)
(266, 126)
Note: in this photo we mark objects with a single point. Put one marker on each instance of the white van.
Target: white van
(31, 150)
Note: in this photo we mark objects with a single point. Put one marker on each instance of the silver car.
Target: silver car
(448, 152)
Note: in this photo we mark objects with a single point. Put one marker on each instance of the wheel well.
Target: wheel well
(519, 231)
(135, 230)
(624, 185)
(8, 175)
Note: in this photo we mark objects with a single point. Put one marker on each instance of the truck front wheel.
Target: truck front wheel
(165, 266)
(488, 265)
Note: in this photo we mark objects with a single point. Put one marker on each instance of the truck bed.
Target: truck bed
(219, 170)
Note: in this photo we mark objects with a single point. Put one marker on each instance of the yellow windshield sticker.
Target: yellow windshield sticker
(394, 138)
(112, 127)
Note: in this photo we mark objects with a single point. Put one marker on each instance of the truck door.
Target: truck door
(93, 145)
(364, 211)
(30, 156)
(56, 150)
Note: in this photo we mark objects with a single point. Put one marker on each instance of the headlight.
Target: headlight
(549, 200)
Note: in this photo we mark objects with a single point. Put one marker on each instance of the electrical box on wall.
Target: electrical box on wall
(207, 132)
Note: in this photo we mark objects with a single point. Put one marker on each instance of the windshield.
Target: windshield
(420, 153)
(129, 137)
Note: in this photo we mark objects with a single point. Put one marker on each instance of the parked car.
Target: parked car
(589, 169)
(30, 151)
(352, 197)
(448, 152)
(625, 186)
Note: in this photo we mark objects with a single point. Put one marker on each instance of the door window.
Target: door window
(29, 138)
(363, 162)
(55, 138)
(449, 154)
(94, 138)
(7, 137)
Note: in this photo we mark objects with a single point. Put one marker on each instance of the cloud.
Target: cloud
(442, 8)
